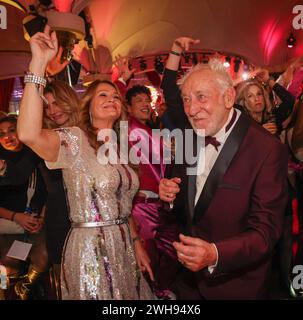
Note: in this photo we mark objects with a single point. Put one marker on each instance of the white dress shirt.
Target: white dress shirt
(208, 157)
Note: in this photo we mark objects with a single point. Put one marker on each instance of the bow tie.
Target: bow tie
(213, 141)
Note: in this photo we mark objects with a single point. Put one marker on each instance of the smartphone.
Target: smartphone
(37, 24)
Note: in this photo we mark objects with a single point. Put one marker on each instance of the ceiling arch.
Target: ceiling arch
(253, 29)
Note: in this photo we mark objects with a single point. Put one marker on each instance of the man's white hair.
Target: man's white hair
(222, 76)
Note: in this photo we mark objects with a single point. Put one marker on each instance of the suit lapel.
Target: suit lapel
(191, 187)
(222, 163)
(191, 183)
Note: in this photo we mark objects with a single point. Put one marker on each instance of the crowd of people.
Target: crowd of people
(149, 229)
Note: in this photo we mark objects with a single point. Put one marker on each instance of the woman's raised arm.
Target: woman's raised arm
(44, 46)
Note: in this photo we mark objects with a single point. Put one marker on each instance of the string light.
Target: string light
(194, 58)
(244, 75)
(237, 62)
(227, 62)
(238, 66)
(291, 41)
(159, 65)
(143, 64)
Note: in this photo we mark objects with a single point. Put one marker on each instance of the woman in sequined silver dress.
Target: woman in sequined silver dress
(102, 258)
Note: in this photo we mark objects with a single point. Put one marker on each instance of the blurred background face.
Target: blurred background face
(8, 137)
(54, 112)
(106, 104)
(161, 109)
(140, 107)
(254, 99)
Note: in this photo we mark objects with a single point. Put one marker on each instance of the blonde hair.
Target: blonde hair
(66, 99)
(85, 117)
(216, 66)
(242, 89)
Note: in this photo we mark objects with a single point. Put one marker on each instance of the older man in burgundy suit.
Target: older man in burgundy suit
(234, 208)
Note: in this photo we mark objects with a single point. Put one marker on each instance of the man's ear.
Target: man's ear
(229, 98)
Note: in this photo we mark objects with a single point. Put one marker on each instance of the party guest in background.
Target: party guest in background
(255, 99)
(23, 196)
(62, 110)
(157, 229)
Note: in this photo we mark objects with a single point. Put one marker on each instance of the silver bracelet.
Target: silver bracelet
(32, 78)
(38, 81)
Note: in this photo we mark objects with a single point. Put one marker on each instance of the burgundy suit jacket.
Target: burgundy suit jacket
(241, 210)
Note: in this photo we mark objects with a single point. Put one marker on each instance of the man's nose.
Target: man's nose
(193, 107)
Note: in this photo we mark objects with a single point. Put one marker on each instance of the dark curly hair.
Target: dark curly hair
(135, 90)
(12, 118)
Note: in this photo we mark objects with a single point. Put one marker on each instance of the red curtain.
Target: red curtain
(6, 90)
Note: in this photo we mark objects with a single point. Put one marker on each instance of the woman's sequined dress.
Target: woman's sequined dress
(99, 262)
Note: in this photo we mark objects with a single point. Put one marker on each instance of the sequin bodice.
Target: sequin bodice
(95, 192)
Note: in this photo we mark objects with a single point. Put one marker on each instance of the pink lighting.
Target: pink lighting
(63, 5)
(271, 35)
